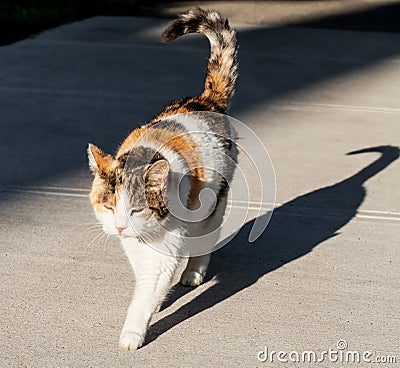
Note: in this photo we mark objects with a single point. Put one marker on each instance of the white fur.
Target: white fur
(153, 276)
(92, 161)
(209, 146)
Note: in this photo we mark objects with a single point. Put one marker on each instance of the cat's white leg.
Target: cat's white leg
(207, 233)
(195, 270)
(153, 274)
(163, 287)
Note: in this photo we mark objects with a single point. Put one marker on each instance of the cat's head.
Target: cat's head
(129, 201)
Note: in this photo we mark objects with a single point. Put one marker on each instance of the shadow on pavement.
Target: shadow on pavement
(382, 18)
(290, 235)
(378, 18)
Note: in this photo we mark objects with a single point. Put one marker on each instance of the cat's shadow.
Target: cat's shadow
(295, 229)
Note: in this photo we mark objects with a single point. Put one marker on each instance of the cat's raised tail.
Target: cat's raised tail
(222, 64)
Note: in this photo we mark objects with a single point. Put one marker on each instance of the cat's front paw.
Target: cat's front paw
(130, 341)
(191, 278)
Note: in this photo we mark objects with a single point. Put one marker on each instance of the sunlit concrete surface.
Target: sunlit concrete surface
(271, 13)
(327, 267)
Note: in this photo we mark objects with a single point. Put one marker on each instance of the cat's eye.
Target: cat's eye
(132, 211)
(108, 207)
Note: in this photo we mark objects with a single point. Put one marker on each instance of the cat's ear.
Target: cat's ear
(98, 159)
(156, 175)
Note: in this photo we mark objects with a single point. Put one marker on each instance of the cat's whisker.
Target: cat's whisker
(107, 236)
(94, 224)
(93, 240)
(90, 230)
(175, 246)
(147, 237)
(97, 227)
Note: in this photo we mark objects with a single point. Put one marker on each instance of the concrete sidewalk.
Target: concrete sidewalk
(326, 269)
(354, 14)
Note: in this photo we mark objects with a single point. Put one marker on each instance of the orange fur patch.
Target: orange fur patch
(97, 191)
(216, 88)
(131, 140)
(192, 104)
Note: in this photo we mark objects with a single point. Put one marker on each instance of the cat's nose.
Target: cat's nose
(120, 229)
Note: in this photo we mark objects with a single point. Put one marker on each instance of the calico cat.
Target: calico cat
(173, 159)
